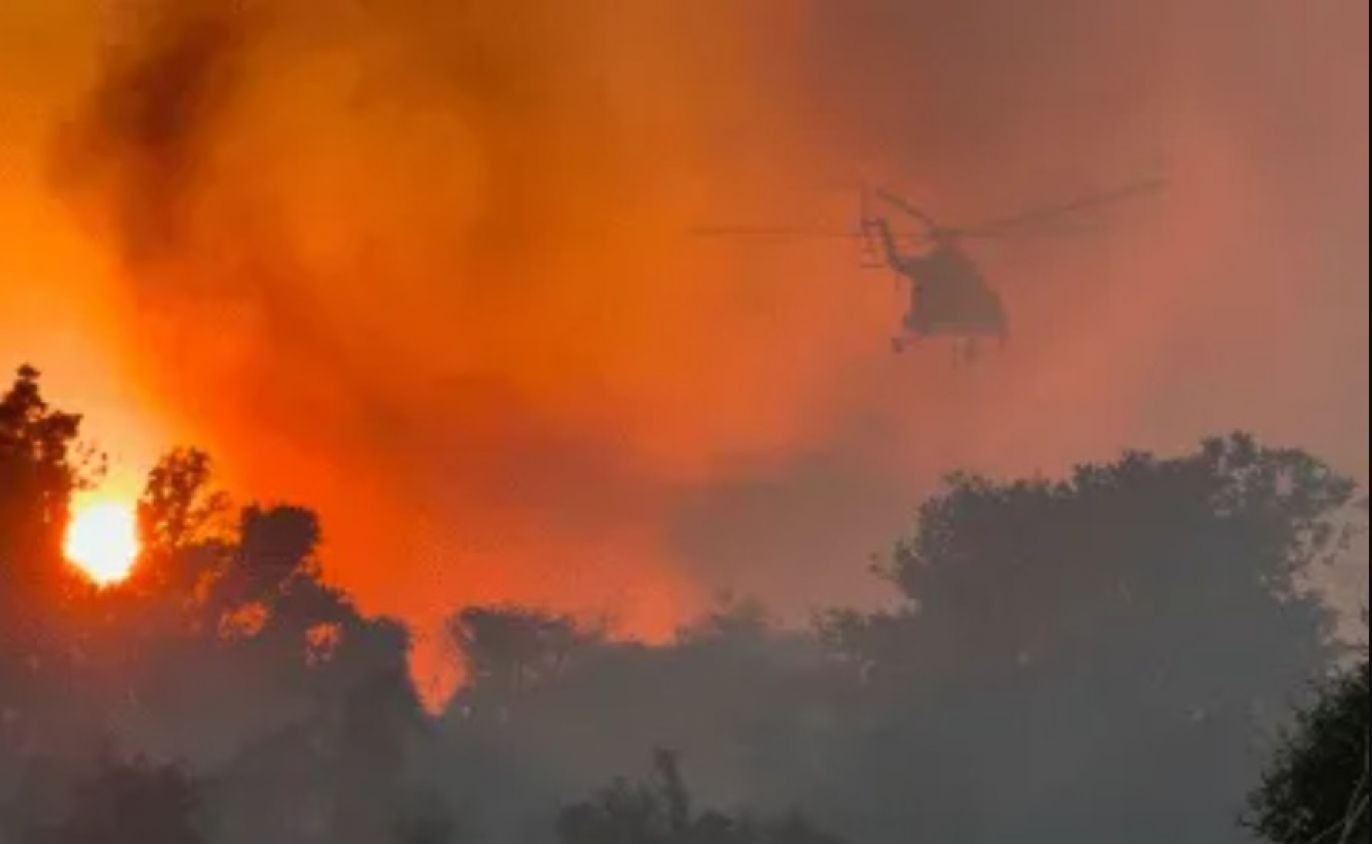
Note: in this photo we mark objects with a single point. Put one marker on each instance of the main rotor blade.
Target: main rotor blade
(994, 228)
(907, 207)
(771, 231)
(793, 232)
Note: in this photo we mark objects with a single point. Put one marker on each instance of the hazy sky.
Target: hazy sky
(427, 266)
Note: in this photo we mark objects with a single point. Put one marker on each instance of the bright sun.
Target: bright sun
(102, 540)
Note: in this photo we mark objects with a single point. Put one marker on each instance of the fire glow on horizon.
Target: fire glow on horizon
(102, 541)
(512, 375)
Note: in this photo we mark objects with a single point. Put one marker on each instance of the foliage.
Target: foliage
(37, 466)
(179, 506)
(1315, 789)
(224, 632)
(39, 470)
(1058, 636)
(1227, 530)
(1087, 658)
(508, 649)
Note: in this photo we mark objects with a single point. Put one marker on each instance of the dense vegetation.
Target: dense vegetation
(1316, 788)
(1092, 658)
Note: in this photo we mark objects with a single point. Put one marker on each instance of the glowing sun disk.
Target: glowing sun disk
(102, 541)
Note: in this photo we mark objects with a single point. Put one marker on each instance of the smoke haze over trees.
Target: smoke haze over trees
(1110, 655)
(459, 233)
(483, 501)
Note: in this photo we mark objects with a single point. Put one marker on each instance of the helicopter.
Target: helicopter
(949, 296)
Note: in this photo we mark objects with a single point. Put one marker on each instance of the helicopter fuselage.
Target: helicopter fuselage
(949, 296)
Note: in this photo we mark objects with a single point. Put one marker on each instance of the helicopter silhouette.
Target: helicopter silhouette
(949, 296)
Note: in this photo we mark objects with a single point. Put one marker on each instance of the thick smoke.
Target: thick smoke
(428, 263)
(426, 267)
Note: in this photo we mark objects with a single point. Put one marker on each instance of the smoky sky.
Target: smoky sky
(427, 267)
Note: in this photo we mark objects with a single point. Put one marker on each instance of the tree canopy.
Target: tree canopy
(1315, 789)
(1087, 658)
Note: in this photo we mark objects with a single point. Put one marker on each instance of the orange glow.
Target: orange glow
(427, 269)
(102, 541)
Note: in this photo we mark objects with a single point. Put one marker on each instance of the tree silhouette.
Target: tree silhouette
(275, 544)
(1226, 531)
(41, 465)
(507, 649)
(1081, 659)
(179, 506)
(39, 470)
(1315, 789)
(1061, 637)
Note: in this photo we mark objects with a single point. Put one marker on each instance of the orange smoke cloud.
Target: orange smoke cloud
(409, 266)
(425, 267)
